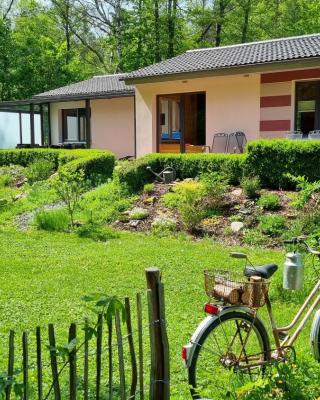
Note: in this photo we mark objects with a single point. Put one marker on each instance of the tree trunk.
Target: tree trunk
(245, 26)
(172, 13)
(157, 53)
(220, 20)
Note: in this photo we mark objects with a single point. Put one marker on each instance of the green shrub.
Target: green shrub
(271, 160)
(191, 210)
(94, 163)
(138, 214)
(180, 191)
(163, 226)
(69, 186)
(272, 225)
(251, 186)
(148, 188)
(97, 233)
(39, 170)
(52, 220)
(253, 237)
(135, 173)
(5, 180)
(305, 189)
(269, 201)
(215, 186)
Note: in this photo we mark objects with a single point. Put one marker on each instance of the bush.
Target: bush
(251, 186)
(94, 163)
(97, 233)
(163, 226)
(52, 220)
(148, 188)
(191, 210)
(269, 201)
(253, 237)
(135, 173)
(271, 160)
(39, 170)
(215, 186)
(272, 225)
(15, 172)
(5, 180)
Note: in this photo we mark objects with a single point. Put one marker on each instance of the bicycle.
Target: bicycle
(232, 341)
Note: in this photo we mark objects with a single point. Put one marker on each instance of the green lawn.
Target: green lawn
(44, 276)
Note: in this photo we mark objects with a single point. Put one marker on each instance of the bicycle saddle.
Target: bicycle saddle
(264, 271)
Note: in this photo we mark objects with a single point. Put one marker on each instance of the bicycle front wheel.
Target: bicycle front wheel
(231, 352)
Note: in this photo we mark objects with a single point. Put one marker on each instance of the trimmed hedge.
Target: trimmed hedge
(272, 159)
(90, 160)
(135, 173)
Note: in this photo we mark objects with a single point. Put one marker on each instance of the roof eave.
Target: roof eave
(233, 70)
(65, 98)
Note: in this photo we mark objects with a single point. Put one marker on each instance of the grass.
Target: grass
(45, 275)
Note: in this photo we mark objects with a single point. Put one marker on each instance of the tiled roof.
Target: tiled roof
(98, 86)
(200, 60)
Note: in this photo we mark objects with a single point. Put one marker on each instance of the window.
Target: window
(307, 106)
(74, 125)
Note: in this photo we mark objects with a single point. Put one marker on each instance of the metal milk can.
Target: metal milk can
(293, 271)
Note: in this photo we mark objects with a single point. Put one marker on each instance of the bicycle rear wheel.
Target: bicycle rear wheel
(230, 352)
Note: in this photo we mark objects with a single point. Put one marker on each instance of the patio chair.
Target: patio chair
(294, 135)
(236, 142)
(314, 135)
(219, 143)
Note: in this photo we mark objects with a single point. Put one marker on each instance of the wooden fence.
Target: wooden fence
(117, 357)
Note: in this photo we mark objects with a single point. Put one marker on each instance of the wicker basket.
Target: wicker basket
(234, 288)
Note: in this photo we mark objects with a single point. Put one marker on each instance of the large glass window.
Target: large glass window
(74, 125)
(307, 106)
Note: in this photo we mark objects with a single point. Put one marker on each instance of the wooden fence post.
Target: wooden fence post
(160, 371)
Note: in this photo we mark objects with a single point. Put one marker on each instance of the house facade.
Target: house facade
(95, 113)
(264, 89)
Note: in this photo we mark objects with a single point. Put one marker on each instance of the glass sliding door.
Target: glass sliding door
(307, 106)
(181, 122)
(170, 135)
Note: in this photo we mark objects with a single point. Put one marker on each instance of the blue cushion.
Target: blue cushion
(165, 135)
(176, 135)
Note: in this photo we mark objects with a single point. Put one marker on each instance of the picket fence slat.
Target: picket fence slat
(54, 363)
(86, 361)
(140, 344)
(61, 372)
(39, 363)
(10, 364)
(110, 358)
(120, 357)
(73, 363)
(98, 355)
(25, 365)
(134, 373)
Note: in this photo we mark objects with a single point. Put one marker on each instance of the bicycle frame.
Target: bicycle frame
(289, 340)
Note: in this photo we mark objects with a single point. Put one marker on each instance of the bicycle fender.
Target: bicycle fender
(203, 326)
(315, 336)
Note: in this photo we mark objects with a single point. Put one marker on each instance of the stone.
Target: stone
(237, 192)
(134, 223)
(237, 226)
(138, 213)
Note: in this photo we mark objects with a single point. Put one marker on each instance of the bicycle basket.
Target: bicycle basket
(233, 288)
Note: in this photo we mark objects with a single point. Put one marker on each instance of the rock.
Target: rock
(237, 226)
(21, 182)
(237, 192)
(138, 213)
(134, 223)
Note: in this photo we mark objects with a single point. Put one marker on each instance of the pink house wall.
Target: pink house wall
(112, 125)
(232, 103)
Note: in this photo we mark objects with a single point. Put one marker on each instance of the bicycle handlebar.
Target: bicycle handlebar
(302, 240)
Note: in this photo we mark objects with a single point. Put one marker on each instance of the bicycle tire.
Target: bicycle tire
(257, 327)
